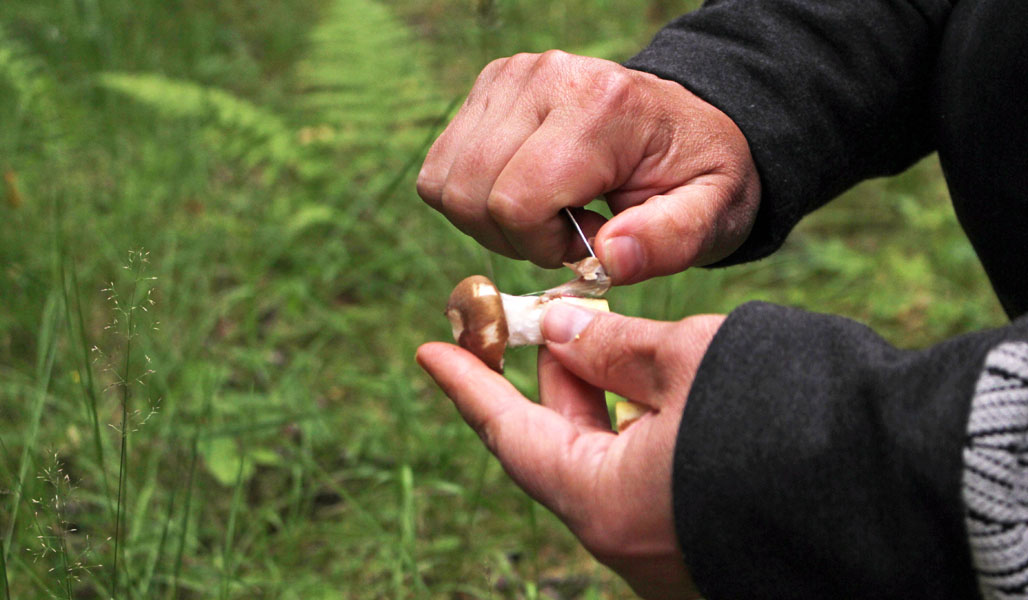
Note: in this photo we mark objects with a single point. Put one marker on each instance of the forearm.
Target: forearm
(816, 461)
(827, 92)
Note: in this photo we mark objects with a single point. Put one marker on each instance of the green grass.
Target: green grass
(285, 445)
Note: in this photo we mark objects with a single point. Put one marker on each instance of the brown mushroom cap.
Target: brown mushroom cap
(475, 311)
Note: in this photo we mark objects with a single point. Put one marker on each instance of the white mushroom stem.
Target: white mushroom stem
(524, 316)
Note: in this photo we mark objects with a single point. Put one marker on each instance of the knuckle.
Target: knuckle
(461, 209)
(522, 61)
(547, 66)
(484, 82)
(514, 213)
(456, 200)
(553, 59)
(503, 72)
(429, 190)
(488, 75)
(527, 227)
(471, 164)
(507, 210)
(611, 88)
(489, 72)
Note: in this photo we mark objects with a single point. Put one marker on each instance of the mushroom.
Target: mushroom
(485, 321)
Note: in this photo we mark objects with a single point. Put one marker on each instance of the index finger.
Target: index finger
(552, 169)
(536, 446)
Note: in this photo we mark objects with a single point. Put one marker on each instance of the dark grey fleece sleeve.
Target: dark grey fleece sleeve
(814, 460)
(827, 92)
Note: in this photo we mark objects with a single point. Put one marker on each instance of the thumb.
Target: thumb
(698, 223)
(645, 361)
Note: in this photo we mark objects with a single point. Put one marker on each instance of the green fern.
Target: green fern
(364, 102)
(364, 82)
(26, 100)
(364, 99)
(16, 72)
(242, 129)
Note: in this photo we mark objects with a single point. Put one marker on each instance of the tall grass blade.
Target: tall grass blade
(126, 426)
(3, 573)
(86, 382)
(408, 528)
(158, 554)
(227, 558)
(44, 368)
(184, 530)
(532, 585)
(3, 554)
(476, 498)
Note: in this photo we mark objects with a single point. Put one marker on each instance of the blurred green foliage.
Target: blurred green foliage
(284, 444)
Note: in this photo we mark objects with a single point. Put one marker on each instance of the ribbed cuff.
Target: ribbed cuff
(996, 474)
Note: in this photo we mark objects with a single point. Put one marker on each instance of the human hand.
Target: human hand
(613, 491)
(539, 132)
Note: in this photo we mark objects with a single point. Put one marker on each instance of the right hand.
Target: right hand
(540, 132)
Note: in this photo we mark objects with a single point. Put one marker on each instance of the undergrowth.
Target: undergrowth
(273, 438)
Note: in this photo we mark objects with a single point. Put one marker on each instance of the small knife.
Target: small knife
(592, 280)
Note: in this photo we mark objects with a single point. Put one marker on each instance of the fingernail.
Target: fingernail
(563, 322)
(623, 257)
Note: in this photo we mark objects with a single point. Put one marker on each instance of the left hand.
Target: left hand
(613, 491)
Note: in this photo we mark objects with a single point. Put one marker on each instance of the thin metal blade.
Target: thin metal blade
(592, 280)
(581, 233)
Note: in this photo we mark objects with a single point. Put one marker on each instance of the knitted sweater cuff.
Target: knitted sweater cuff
(995, 481)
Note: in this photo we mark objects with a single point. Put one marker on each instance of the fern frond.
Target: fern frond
(363, 77)
(19, 72)
(364, 96)
(247, 130)
(26, 98)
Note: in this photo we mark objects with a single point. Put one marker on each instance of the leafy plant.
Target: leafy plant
(238, 129)
(363, 99)
(26, 100)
